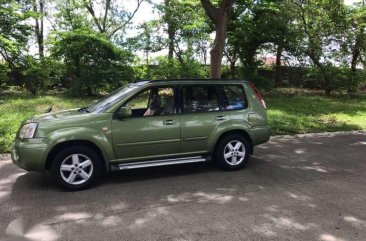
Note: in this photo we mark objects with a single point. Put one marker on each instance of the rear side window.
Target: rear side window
(233, 97)
(200, 99)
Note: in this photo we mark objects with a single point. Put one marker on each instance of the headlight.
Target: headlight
(28, 130)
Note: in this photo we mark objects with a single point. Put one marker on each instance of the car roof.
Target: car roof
(189, 81)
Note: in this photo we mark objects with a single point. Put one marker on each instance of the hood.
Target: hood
(59, 115)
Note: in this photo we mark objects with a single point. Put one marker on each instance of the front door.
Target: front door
(152, 131)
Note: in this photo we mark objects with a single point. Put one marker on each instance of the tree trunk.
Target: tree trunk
(170, 30)
(217, 50)
(220, 17)
(171, 37)
(326, 78)
(38, 7)
(278, 77)
(232, 60)
(327, 88)
(356, 54)
(233, 69)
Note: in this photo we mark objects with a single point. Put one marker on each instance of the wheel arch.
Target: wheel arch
(235, 131)
(61, 145)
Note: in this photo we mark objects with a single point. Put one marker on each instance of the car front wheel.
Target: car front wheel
(76, 167)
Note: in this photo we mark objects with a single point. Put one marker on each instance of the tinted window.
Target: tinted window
(200, 99)
(152, 102)
(233, 97)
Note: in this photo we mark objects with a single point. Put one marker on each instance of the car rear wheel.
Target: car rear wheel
(76, 167)
(233, 152)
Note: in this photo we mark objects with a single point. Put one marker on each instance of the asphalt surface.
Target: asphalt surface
(306, 187)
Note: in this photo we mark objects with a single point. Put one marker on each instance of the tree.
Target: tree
(173, 69)
(358, 25)
(258, 25)
(321, 24)
(185, 25)
(148, 41)
(39, 9)
(93, 63)
(113, 17)
(14, 30)
(352, 45)
(220, 16)
(71, 15)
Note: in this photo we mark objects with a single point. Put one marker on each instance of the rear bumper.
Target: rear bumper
(260, 134)
(30, 154)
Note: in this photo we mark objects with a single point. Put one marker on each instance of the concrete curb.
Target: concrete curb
(319, 134)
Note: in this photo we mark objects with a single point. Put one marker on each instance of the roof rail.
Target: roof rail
(185, 79)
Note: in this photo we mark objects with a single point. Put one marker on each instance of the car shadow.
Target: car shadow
(40, 182)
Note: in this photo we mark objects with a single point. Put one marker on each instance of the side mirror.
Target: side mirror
(124, 112)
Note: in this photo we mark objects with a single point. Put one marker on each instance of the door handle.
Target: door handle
(168, 122)
(220, 118)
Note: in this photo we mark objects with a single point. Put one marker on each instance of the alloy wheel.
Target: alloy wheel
(234, 152)
(76, 169)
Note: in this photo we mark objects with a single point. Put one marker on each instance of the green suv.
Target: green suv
(145, 124)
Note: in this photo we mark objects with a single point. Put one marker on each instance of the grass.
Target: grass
(16, 107)
(289, 112)
(307, 113)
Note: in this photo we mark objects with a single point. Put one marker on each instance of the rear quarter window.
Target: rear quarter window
(233, 97)
(198, 99)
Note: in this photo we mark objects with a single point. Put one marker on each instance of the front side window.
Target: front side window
(200, 99)
(153, 102)
(233, 97)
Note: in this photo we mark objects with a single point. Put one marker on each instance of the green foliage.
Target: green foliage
(262, 83)
(35, 72)
(259, 24)
(342, 78)
(186, 22)
(326, 38)
(14, 29)
(149, 40)
(170, 69)
(93, 64)
(183, 30)
(4, 74)
(71, 15)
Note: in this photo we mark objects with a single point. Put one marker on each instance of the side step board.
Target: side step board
(164, 162)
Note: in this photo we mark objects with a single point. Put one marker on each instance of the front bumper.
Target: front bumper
(30, 154)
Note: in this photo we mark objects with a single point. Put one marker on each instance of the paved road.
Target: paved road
(310, 187)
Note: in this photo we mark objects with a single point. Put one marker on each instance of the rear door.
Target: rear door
(201, 115)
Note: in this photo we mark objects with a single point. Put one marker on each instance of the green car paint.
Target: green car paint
(140, 138)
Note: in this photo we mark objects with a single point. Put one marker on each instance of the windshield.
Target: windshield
(106, 102)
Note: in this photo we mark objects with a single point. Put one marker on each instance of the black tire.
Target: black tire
(83, 154)
(223, 148)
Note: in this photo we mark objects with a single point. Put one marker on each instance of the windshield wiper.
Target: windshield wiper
(83, 109)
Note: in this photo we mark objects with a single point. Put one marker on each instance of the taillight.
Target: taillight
(259, 96)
